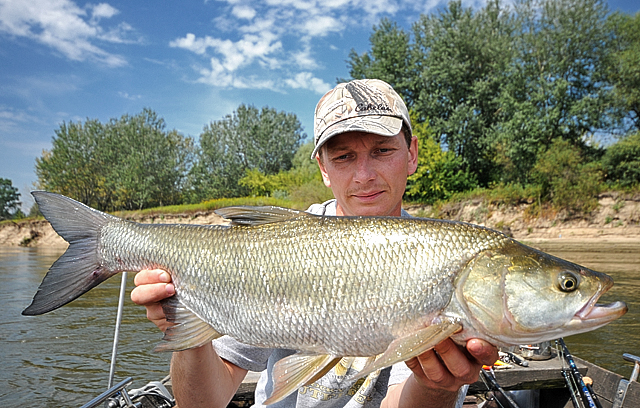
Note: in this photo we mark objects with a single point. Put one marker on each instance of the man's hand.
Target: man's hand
(200, 377)
(448, 366)
(152, 286)
(439, 373)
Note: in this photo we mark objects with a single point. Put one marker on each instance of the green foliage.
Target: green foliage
(556, 86)
(389, 60)
(9, 200)
(259, 184)
(624, 71)
(148, 164)
(621, 161)
(128, 163)
(439, 173)
(302, 183)
(249, 139)
(462, 58)
(74, 166)
(498, 85)
(566, 180)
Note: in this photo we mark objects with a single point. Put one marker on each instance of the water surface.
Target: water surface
(61, 359)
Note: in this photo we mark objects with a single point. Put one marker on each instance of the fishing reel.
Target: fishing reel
(152, 395)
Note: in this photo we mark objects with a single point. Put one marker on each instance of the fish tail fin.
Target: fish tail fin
(79, 269)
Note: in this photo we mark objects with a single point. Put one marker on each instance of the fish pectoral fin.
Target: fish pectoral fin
(189, 330)
(298, 370)
(248, 215)
(412, 345)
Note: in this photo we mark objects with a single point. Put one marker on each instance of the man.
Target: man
(365, 150)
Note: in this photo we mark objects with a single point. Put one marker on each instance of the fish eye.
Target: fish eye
(567, 281)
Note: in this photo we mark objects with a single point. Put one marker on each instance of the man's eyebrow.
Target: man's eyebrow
(343, 146)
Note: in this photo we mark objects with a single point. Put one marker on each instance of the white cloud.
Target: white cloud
(306, 80)
(102, 10)
(127, 95)
(303, 58)
(322, 25)
(65, 27)
(244, 12)
(234, 54)
(279, 39)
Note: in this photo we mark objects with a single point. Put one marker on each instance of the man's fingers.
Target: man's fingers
(483, 352)
(456, 360)
(152, 293)
(434, 369)
(148, 276)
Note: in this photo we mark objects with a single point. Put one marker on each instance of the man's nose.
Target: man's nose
(364, 170)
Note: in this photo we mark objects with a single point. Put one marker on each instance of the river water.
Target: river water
(62, 359)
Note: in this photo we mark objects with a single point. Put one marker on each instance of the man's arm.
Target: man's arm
(438, 374)
(199, 376)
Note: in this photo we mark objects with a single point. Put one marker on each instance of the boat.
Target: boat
(545, 379)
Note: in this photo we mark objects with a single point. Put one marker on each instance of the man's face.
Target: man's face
(368, 173)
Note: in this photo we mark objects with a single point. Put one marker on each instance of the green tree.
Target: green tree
(463, 57)
(625, 68)
(556, 85)
(73, 166)
(390, 59)
(439, 173)
(498, 85)
(9, 199)
(148, 164)
(301, 183)
(249, 139)
(621, 161)
(129, 163)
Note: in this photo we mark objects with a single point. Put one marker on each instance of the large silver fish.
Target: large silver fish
(329, 287)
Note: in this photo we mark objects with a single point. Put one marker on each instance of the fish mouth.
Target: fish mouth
(595, 314)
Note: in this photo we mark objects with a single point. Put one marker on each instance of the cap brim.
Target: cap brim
(376, 124)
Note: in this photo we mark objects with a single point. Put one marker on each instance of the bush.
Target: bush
(566, 181)
(621, 161)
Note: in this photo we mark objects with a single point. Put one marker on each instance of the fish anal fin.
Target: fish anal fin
(412, 345)
(322, 372)
(188, 331)
(297, 370)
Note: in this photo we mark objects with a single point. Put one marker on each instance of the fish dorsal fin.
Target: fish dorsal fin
(189, 330)
(297, 370)
(412, 345)
(248, 215)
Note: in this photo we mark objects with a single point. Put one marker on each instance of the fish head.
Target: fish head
(519, 295)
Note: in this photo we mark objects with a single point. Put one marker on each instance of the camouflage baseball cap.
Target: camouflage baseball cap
(361, 105)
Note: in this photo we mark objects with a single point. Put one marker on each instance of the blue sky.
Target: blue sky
(192, 62)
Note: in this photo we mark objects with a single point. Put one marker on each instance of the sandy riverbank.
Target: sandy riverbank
(617, 219)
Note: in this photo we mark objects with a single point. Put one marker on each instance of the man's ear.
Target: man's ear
(413, 156)
(323, 171)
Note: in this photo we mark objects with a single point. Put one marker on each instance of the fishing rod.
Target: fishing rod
(497, 387)
(589, 398)
(116, 335)
(573, 390)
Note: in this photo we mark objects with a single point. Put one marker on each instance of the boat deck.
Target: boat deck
(545, 376)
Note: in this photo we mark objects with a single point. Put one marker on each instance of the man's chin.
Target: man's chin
(371, 208)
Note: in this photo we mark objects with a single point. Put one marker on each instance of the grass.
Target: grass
(210, 205)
